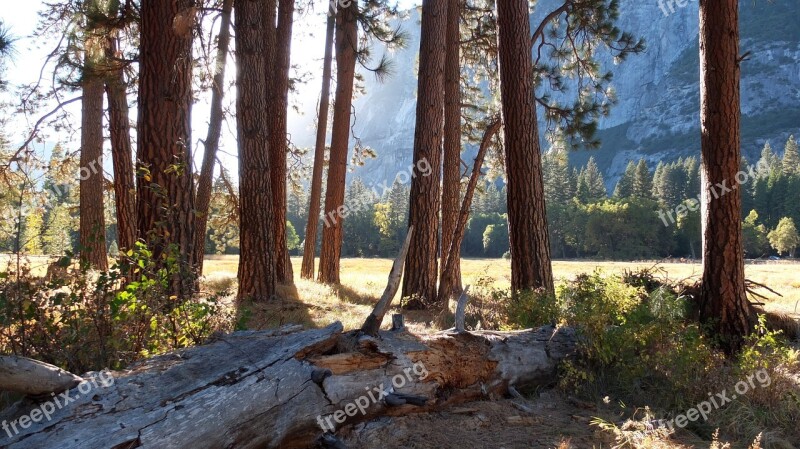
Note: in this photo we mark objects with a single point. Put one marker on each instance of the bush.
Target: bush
(93, 320)
(639, 345)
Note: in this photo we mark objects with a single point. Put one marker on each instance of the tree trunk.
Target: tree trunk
(723, 297)
(285, 389)
(277, 142)
(451, 172)
(165, 190)
(211, 144)
(121, 151)
(527, 220)
(257, 262)
(450, 262)
(92, 213)
(346, 51)
(419, 283)
(310, 245)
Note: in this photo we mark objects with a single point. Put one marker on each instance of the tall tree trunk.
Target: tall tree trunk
(257, 275)
(450, 263)
(527, 220)
(92, 213)
(419, 283)
(451, 172)
(723, 295)
(121, 151)
(211, 144)
(277, 142)
(346, 51)
(165, 192)
(310, 245)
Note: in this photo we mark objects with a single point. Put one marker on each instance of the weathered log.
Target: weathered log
(32, 377)
(283, 388)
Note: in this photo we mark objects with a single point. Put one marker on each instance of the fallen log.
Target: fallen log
(32, 377)
(282, 388)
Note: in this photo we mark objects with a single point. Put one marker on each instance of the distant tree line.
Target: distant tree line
(585, 221)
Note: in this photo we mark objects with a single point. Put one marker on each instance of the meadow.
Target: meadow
(363, 281)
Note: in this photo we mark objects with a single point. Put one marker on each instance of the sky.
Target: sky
(25, 66)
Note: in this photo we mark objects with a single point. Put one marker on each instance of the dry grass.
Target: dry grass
(363, 281)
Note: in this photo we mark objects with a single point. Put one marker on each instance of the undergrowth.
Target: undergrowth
(641, 347)
(83, 320)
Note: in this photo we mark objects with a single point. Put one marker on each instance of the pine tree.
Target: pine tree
(582, 189)
(391, 218)
(360, 232)
(693, 176)
(791, 205)
(165, 185)
(422, 272)
(558, 188)
(594, 184)
(761, 197)
(625, 184)
(211, 142)
(58, 223)
(642, 181)
(722, 294)
(346, 46)
(658, 176)
(791, 158)
(768, 162)
(254, 42)
(778, 197)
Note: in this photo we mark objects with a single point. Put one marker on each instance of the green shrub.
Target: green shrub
(89, 321)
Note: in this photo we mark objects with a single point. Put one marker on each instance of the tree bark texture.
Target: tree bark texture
(92, 214)
(165, 193)
(257, 276)
(723, 293)
(278, 142)
(121, 149)
(451, 163)
(332, 233)
(419, 283)
(310, 244)
(527, 220)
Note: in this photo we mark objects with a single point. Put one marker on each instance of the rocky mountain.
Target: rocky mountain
(658, 91)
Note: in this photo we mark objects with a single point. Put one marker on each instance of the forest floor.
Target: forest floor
(552, 419)
(547, 419)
